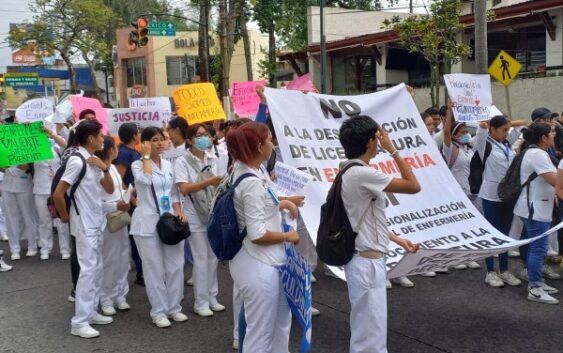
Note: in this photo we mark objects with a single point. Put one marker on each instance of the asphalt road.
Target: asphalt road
(456, 312)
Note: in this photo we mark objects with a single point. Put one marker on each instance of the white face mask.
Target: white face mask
(464, 139)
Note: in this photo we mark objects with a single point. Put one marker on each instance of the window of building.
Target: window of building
(353, 74)
(181, 69)
(136, 72)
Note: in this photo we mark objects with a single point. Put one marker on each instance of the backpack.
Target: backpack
(222, 228)
(70, 196)
(336, 240)
(201, 199)
(476, 169)
(510, 187)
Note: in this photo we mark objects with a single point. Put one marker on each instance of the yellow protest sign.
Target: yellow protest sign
(505, 68)
(198, 103)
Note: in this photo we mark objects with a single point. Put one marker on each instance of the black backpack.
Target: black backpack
(476, 169)
(335, 237)
(510, 186)
(70, 197)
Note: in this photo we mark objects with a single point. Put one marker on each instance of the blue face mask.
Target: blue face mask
(202, 143)
(464, 140)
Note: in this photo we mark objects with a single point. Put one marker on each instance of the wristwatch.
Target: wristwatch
(146, 157)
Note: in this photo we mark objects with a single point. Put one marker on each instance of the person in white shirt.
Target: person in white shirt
(3, 233)
(162, 264)
(44, 172)
(87, 221)
(363, 197)
(499, 214)
(177, 130)
(458, 151)
(535, 204)
(19, 210)
(115, 248)
(196, 177)
(254, 268)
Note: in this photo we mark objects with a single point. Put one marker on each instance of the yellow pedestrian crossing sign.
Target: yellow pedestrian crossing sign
(505, 68)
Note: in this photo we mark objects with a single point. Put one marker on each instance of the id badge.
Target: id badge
(273, 195)
(165, 203)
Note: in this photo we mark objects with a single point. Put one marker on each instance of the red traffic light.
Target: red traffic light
(142, 23)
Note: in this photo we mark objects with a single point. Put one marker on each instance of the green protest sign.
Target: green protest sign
(23, 143)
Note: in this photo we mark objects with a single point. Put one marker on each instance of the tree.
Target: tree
(481, 52)
(59, 26)
(434, 37)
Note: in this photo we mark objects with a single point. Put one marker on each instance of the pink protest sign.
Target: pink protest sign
(302, 83)
(245, 98)
(82, 103)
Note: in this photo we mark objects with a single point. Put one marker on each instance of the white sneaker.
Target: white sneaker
(123, 306)
(190, 282)
(108, 310)
(163, 322)
(548, 272)
(428, 274)
(3, 266)
(404, 282)
(460, 267)
(315, 312)
(537, 294)
(100, 319)
(65, 255)
(3, 236)
(179, 317)
(508, 278)
(72, 296)
(31, 253)
(388, 284)
(44, 256)
(15, 256)
(313, 279)
(204, 312)
(85, 332)
(549, 289)
(513, 253)
(473, 265)
(524, 274)
(235, 344)
(329, 273)
(217, 307)
(493, 280)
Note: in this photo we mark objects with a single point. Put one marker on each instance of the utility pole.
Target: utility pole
(323, 49)
(481, 48)
(410, 6)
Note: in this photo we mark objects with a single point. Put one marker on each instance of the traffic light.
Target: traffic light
(139, 35)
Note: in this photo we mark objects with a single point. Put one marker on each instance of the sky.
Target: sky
(11, 11)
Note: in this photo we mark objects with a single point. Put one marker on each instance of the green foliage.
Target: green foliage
(434, 37)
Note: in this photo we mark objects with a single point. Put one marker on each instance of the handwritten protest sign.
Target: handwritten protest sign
(34, 110)
(63, 112)
(302, 83)
(198, 103)
(158, 103)
(143, 117)
(290, 180)
(307, 127)
(23, 143)
(245, 98)
(471, 95)
(80, 104)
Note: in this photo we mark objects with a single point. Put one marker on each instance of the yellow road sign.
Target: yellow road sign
(505, 68)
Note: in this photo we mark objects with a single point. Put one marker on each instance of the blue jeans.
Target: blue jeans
(499, 215)
(536, 251)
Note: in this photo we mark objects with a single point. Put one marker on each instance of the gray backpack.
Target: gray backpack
(201, 199)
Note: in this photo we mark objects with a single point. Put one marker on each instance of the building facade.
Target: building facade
(167, 63)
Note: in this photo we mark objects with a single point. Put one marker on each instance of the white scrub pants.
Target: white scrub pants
(267, 314)
(21, 219)
(2, 218)
(368, 299)
(237, 305)
(89, 254)
(163, 269)
(116, 250)
(204, 272)
(46, 227)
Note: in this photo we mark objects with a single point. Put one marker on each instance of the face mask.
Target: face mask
(464, 139)
(202, 143)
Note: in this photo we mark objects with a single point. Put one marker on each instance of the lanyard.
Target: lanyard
(503, 147)
(162, 178)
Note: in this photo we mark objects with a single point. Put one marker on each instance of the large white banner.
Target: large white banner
(440, 216)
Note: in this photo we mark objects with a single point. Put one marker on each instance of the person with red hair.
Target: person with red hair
(254, 268)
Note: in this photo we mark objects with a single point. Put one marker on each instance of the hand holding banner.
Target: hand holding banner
(198, 103)
(23, 143)
(245, 98)
(80, 104)
(34, 110)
